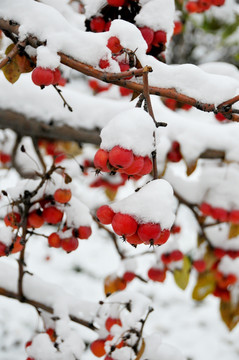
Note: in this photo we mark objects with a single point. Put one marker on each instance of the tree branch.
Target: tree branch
(88, 70)
(49, 309)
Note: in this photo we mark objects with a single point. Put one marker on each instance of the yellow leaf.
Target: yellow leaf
(113, 283)
(191, 167)
(141, 351)
(181, 276)
(234, 231)
(110, 193)
(18, 64)
(229, 313)
(205, 285)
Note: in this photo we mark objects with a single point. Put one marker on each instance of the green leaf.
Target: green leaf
(181, 276)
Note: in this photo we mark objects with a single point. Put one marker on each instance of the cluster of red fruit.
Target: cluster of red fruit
(15, 247)
(220, 253)
(98, 346)
(134, 233)
(116, 48)
(223, 284)
(174, 154)
(220, 117)
(202, 5)
(174, 105)
(123, 161)
(127, 10)
(51, 148)
(45, 77)
(219, 213)
(52, 335)
(50, 212)
(5, 158)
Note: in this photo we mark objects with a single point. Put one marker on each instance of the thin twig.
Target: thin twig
(112, 235)
(11, 54)
(65, 103)
(40, 157)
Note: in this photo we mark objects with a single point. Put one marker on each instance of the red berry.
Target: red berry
(234, 217)
(149, 232)
(176, 255)
(112, 321)
(156, 274)
(84, 232)
(199, 265)
(52, 334)
(148, 166)
(219, 214)
(12, 219)
(98, 347)
(125, 67)
(160, 37)
(3, 249)
(134, 239)
(165, 233)
(97, 24)
(35, 219)
(120, 158)
(57, 76)
(101, 160)
(104, 63)
(54, 240)
(114, 45)
(171, 104)
(148, 34)
(52, 215)
(116, 3)
(107, 26)
(17, 245)
(136, 166)
(125, 91)
(218, 2)
(166, 259)
(220, 117)
(69, 244)
(206, 209)
(219, 253)
(62, 196)
(224, 294)
(192, 7)
(176, 229)
(178, 27)
(128, 276)
(186, 107)
(105, 214)
(28, 343)
(124, 224)
(42, 76)
(5, 158)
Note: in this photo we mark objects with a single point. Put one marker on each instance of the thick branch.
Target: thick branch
(88, 70)
(44, 307)
(36, 129)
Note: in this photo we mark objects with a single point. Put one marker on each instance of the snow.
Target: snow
(148, 16)
(132, 130)
(61, 36)
(72, 284)
(152, 203)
